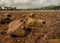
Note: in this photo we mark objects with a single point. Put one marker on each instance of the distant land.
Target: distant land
(43, 8)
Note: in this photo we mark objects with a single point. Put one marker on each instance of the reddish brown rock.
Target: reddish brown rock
(16, 28)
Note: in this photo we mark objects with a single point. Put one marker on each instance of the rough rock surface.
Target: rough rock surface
(16, 28)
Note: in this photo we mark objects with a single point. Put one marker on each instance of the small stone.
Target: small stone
(31, 14)
(41, 21)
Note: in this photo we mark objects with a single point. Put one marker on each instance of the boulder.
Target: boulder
(16, 28)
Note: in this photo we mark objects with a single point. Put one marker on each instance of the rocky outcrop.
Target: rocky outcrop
(20, 27)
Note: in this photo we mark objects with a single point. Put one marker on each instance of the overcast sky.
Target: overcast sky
(29, 4)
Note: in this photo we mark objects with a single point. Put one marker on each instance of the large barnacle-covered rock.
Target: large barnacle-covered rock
(16, 28)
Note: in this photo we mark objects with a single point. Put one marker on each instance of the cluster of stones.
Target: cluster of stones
(17, 27)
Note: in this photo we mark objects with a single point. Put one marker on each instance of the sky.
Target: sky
(29, 4)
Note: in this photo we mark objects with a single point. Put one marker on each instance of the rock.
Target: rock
(30, 21)
(5, 18)
(16, 28)
(31, 14)
(41, 21)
